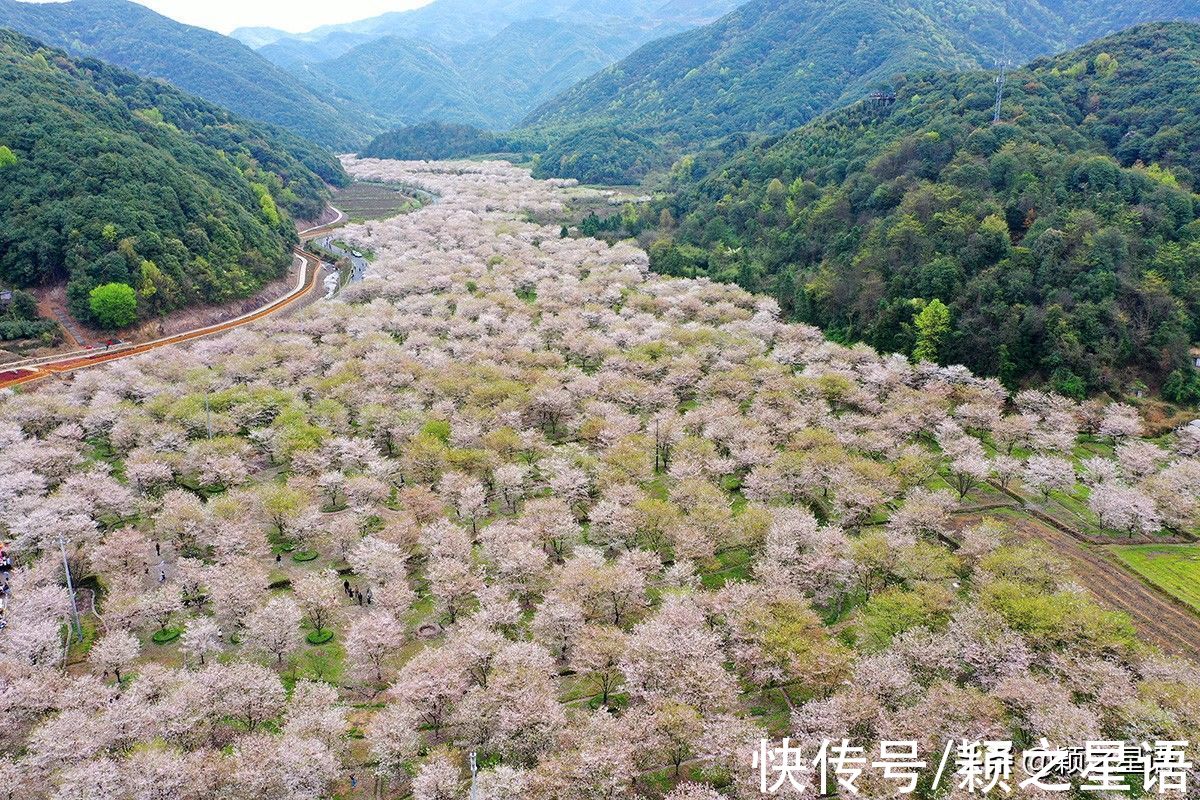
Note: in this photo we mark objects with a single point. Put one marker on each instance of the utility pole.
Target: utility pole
(474, 769)
(62, 545)
(1001, 80)
(208, 387)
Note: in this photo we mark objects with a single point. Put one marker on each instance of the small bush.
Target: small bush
(319, 637)
(166, 635)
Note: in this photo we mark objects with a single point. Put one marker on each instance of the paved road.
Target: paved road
(358, 265)
(311, 271)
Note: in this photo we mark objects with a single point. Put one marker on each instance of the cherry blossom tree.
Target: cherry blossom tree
(431, 683)
(319, 595)
(372, 640)
(1124, 509)
(438, 779)
(597, 657)
(510, 481)
(674, 656)
(1048, 474)
(394, 739)
(1120, 421)
(201, 638)
(125, 551)
(488, 717)
(181, 520)
(274, 629)
(454, 583)
(114, 652)
(378, 560)
(693, 791)
(315, 712)
(551, 523)
(558, 624)
(161, 605)
(236, 589)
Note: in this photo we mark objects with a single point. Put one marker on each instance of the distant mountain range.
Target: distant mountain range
(464, 61)
(601, 90)
(199, 61)
(453, 22)
(491, 83)
(474, 61)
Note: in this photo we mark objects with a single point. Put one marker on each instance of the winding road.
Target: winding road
(31, 370)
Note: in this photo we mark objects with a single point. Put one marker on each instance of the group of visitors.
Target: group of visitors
(356, 594)
(5, 591)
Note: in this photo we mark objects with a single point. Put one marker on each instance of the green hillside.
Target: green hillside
(431, 141)
(491, 83)
(531, 61)
(772, 65)
(404, 79)
(201, 62)
(107, 177)
(1064, 241)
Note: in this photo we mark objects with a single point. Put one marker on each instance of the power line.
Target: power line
(62, 544)
(1001, 80)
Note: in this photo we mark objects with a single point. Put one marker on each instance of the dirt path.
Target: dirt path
(1158, 618)
(49, 307)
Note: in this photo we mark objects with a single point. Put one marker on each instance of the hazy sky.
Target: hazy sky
(290, 15)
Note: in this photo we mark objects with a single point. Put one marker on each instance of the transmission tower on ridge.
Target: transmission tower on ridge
(1001, 79)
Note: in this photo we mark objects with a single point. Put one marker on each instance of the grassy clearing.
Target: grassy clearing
(79, 648)
(1174, 568)
(730, 566)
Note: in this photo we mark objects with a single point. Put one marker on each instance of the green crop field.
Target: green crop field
(1174, 568)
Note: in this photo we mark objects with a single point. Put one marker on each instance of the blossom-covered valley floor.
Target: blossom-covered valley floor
(515, 495)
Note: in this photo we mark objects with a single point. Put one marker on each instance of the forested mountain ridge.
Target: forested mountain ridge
(110, 178)
(401, 76)
(477, 62)
(201, 62)
(447, 23)
(1063, 243)
(491, 83)
(772, 65)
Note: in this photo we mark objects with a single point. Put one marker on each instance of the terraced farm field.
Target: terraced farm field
(1174, 568)
(363, 200)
